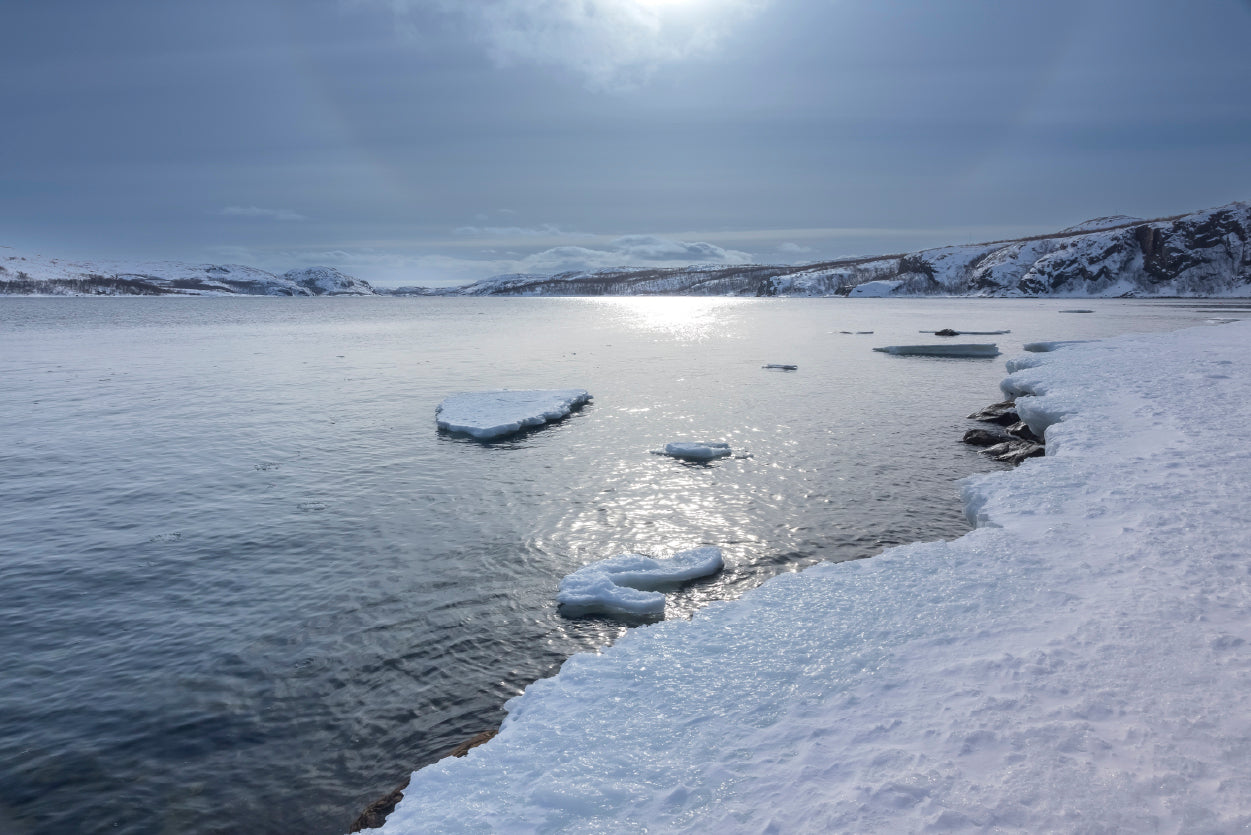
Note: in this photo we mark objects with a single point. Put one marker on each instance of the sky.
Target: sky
(437, 142)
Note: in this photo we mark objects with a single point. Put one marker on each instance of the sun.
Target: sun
(663, 4)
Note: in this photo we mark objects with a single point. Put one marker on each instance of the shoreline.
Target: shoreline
(1016, 444)
(1015, 677)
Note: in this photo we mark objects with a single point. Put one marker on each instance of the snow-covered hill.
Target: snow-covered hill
(27, 274)
(1205, 253)
(327, 281)
(1200, 254)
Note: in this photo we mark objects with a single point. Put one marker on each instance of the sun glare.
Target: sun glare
(663, 4)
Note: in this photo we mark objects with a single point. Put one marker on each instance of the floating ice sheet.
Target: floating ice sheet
(626, 585)
(493, 414)
(959, 350)
(696, 451)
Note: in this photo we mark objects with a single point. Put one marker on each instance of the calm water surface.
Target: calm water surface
(248, 586)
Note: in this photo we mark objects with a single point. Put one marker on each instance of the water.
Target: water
(248, 586)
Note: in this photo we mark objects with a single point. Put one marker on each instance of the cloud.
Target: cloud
(387, 268)
(789, 248)
(654, 248)
(547, 230)
(612, 44)
(253, 211)
(629, 251)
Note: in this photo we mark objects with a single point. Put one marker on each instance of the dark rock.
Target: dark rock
(946, 332)
(375, 815)
(1014, 452)
(1003, 413)
(1021, 430)
(467, 746)
(985, 437)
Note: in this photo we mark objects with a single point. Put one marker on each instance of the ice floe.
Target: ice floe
(494, 414)
(695, 450)
(629, 584)
(953, 350)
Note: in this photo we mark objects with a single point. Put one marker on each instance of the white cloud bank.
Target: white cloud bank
(388, 268)
(612, 44)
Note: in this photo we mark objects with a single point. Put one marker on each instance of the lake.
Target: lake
(249, 586)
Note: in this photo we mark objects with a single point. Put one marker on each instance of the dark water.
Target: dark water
(248, 586)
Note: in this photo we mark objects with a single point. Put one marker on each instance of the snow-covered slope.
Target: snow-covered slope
(327, 281)
(1206, 253)
(1080, 662)
(30, 274)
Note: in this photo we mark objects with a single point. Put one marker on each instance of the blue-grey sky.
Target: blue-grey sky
(442, 141)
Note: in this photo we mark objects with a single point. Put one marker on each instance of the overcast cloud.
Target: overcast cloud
(439, 142)
(611, 44)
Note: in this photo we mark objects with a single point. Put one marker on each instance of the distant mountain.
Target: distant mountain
(39, 275)
(327, 281)
(1201, 254)
(1206, 253)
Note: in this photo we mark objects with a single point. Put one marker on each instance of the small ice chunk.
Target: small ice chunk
(626, 585)
(780, 366)
(492, 414)
(960, 350)
(696, 451)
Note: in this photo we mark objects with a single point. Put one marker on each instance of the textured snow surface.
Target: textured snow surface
(626, 585)
(493, 414)
(1081, 662)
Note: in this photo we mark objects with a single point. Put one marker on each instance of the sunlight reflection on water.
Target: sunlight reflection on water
(688, 319)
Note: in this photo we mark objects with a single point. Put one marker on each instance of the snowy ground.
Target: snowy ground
(1081, 662)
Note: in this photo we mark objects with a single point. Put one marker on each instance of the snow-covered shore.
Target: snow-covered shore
(1080, 662)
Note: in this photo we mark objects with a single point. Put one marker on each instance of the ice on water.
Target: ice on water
(696, 450)
(1077, 662)
(494, 414)
(627, 585)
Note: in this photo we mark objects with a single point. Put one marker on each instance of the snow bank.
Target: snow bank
(1079, 662)
(493, 414)
(626, 585)
(954, 350)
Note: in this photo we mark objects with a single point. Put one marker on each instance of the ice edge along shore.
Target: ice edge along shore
(1079, 661)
